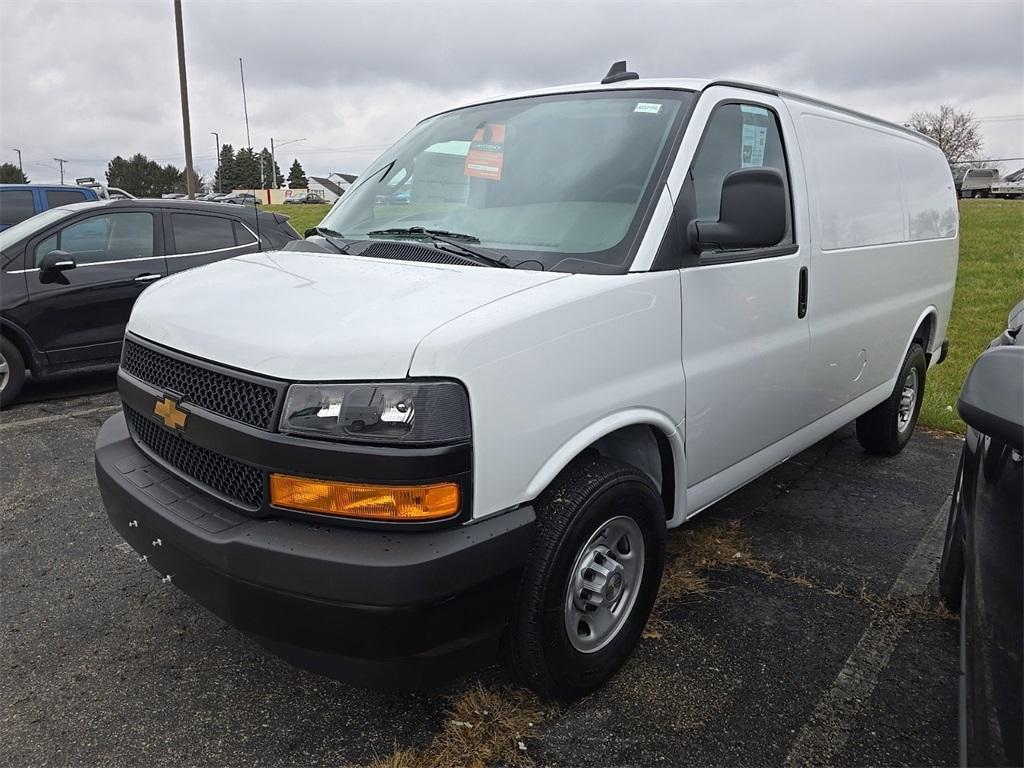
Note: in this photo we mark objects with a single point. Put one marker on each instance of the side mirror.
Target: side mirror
(1015, 320)
(992, 400)
(57, 261)
(752, 213)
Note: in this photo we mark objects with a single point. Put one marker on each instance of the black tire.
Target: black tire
(588, 495)
(879, 430)
(951, 568)
(10, 386)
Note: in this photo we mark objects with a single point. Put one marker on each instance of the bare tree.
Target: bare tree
(956, 131)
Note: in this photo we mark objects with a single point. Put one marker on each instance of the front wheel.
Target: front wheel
(591, 578)
(887, 427)
(12, 372)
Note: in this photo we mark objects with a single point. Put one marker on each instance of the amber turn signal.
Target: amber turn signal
(397, 503)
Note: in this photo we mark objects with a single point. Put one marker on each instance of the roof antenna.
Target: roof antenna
(618, 72)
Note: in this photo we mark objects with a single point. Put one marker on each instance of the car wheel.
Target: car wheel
(12, 372)
(951, 568)
(887, 428)
(590, 580)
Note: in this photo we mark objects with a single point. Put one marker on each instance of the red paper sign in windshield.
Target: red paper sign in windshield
(486, 152)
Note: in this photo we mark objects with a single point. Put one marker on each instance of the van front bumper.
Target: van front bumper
(386, 609)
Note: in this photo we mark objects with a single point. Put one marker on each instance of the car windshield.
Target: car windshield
(23, 229)
(555, 182)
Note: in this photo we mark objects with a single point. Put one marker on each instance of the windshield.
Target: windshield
(557, 182)
(23, 229)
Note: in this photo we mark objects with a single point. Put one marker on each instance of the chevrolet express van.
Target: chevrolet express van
(459, 427)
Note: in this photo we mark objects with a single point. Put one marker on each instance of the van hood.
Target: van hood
(314, 316)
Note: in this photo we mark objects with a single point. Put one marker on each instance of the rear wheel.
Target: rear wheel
(887, 427)
(12, 372)
(591, 578)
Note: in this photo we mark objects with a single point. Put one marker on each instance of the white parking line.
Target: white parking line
(57, 417)
(825, 733)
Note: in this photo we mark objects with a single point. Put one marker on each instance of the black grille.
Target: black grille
(410, 252)
(232, 478)
(238, 399)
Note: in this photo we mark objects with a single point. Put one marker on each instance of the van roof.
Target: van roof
(697, 84)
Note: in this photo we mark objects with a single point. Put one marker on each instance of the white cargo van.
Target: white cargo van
(536, 333)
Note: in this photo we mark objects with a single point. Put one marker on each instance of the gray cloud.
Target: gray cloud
(89, 80)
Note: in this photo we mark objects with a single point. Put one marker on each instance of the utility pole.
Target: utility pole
(273, 161)
(61, 160)
(220, 180)
(20, 168)
(189, 172)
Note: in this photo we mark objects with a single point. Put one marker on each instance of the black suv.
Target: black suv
(70, 275)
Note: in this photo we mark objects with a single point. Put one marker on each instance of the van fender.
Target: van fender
(586, 437)
(934, 313)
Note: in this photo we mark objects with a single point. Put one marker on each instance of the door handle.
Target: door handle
(147, 278)
(801, 301)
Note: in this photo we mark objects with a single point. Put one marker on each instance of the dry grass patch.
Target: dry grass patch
(483, 726)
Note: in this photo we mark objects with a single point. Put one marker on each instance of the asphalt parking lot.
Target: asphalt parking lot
(806, 631)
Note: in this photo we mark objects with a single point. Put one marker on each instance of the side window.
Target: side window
(243, 236)
(16, 205)
(58, 197)
(737, 136)
(110, 237)
(194, 233)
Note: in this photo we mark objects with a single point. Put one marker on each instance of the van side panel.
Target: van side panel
(884, 253)
(586, 355)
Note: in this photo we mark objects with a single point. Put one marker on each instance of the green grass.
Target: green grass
(990, 280)
(301, 217)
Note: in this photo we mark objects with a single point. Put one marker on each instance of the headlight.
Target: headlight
(385, 412)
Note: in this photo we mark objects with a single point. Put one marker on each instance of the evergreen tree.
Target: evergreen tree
(11, 174)
(297, 177)
(225, 178)
(247, 170)
(144, 177)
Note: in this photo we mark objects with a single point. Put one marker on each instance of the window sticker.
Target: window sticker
(650, 108)
(486, 152)
(755, 133)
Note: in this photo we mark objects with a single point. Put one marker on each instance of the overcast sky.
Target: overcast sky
(89, 80)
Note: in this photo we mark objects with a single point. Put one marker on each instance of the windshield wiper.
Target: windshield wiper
(456, 240)
(329, 234)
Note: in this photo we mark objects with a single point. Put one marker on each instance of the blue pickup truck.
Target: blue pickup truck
(19, 201)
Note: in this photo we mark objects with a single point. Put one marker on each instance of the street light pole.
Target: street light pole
(220, 181)
(183, 83)
(20, 168)
(272, 161)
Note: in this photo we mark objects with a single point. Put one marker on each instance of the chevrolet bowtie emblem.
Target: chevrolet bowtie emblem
(167, 409)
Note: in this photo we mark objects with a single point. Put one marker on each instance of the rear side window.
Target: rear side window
(737, 136)
(58, 197)
(857, 184)
(243, 236)
(15, 205)
(194, 233)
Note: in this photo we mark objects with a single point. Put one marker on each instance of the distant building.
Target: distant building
(332, 186)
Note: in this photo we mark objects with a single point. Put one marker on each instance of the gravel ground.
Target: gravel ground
(834, 652)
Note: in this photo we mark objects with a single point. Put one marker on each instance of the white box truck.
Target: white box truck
(459, 426)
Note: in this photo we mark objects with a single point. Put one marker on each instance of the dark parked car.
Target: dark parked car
(71, 274)
(240, 198)
(307, 198)
(21, 201)
(982, 572)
